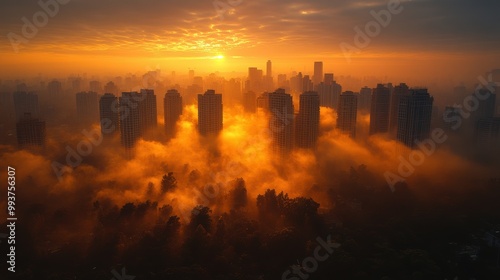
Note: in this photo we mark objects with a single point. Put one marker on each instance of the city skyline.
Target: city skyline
(243, 140)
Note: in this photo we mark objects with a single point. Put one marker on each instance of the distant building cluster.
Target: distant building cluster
(400, 111)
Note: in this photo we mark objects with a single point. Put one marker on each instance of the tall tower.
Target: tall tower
(147, 110)
(380, 108)
(210, 113)
(414, 117)
(318, 72)
(109, 114)
(269, 69)
(130, 124)
(347, 113)
(87, 107)
(25, 103)
(399, 91)
(172, 104)
(307, 124)
(329, 94)
(281, 121)
(30, 131)
(365, 100)
(250, 102)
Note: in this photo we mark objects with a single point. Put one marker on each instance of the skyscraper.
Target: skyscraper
(329, 94)
(25, 103)
(281, 121)
(30, 131)
(110, 87)
(364, 100)
(380, 108)
(269, 69)
(172, 104)
(95, 86)
(414, 117)
(347, 113)
(148, 111)
(109, 114)
(250, 102)
(399, 91)
(87, 107)
(130, 118)
(263, 101)
(328, 79)
(318, 72)
(307, 124)
(210, 113)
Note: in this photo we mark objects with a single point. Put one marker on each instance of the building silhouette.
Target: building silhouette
(380, 108)
(109, 114)
(329, 94)
(172, 105)
(263, 101)
(148, 111)
(347, 113)
(25, 102)
(318, 72)
(281, 121)
(414, 117)
(364, 100)
(398, 91)
(210, 120)
(30, 131)
(307, 121)
(250, 102)
(130, 123)
(328, 80)
(87, 107)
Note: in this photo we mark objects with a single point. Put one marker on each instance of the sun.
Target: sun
(220, 56)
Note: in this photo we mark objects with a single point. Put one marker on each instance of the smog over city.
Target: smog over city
(236, 139)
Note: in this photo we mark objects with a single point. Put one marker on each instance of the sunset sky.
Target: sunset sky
(428, 37)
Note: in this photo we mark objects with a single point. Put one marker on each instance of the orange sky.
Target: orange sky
(426, 40)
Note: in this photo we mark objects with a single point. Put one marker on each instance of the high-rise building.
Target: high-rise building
(148, 111)
(380, 108)
(172, 104)
(95, 86)
(263, 101)
(307, 84)
(414, 117)
(329, 94)
(269, 69)
(30, 131)
(255, 81)
(250, 102)
(110, 87)
(399, 91)
(109, 114)
(87, 107)
(347, 113)
(318, 72)
(210, 113)
(364, 100)
(25, 103)
(281, 122)
(487, 132)
(307, 122)
(130, 124)
(328, 79)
